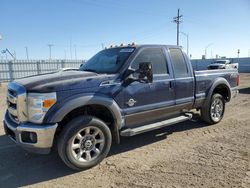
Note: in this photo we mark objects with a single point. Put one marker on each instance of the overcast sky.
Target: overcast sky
(87, 24)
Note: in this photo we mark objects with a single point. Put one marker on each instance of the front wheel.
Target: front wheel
(84, 142)
(213, 112)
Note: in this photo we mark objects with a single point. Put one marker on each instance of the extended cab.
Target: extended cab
(121, 91)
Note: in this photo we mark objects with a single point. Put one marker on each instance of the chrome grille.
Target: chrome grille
(16, 101)
(12, 104)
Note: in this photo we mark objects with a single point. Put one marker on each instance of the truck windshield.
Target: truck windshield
(108, 61)
(219, 62)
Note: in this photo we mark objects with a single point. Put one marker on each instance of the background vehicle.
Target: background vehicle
(223, 64)
(121, 91)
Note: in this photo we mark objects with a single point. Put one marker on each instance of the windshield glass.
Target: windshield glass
(108, 61)
(219, 62)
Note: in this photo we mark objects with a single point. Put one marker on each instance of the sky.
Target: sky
(80, 28)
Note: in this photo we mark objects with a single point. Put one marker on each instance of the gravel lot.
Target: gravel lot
(188, 154)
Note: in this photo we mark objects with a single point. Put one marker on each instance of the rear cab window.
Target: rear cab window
(179, 63)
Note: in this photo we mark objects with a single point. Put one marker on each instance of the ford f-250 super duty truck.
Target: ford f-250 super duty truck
(121, 91)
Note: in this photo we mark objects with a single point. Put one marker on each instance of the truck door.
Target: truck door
(184, 79)
(148, 102)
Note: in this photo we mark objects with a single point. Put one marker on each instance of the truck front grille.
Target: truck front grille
(16, 102)
(12, 104)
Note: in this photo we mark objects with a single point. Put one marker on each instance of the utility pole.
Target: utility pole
(50, 45)
(70, 49)
(14, 53)
(65, 54)
(206, 49)
(75, 52)
(238, 52)
(178, 20)
(27, 52)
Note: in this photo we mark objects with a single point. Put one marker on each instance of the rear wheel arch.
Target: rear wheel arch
(222, 87)
(219, 88)
(224, 91)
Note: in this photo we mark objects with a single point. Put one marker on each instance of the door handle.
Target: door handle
(170, 85)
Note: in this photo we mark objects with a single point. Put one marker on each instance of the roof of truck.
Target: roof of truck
(145, 45)
(158, 45)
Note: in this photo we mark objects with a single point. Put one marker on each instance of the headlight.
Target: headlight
(39, 104)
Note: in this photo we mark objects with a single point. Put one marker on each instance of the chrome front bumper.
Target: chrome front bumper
(43, 135)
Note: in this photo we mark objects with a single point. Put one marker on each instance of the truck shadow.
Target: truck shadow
(245, 90)
(130, 143)
(19, 168)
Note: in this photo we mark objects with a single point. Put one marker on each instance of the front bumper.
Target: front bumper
(31, 137)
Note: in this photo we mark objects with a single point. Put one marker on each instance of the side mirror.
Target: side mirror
(143, 75)
(145, 72)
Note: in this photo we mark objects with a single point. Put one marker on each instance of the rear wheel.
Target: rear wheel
(213, 111)
(84, 142)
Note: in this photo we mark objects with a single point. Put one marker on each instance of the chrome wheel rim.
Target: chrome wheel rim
(217, 109)
(87, 144)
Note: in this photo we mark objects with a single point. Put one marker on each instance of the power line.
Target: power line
(178, 20)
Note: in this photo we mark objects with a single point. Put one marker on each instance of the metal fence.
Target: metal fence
(11, 70)
(14, 69)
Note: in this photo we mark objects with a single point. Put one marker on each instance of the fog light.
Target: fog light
(33, 137)
(29, 137)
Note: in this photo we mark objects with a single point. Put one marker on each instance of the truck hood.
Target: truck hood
(61, 81)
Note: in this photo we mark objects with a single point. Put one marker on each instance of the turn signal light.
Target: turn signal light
(48, 103)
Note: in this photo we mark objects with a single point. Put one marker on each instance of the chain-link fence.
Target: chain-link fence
(14, 69)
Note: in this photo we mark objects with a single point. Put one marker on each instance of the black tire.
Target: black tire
(208, 110)
(69, 136)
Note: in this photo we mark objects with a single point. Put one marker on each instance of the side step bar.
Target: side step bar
(153, 126)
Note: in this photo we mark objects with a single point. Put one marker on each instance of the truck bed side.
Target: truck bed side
(207, 79)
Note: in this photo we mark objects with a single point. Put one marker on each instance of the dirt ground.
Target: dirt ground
(188, 154)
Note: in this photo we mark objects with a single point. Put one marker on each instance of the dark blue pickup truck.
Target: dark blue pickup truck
(121, 91)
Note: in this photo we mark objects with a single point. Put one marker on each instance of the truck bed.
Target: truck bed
(206, 78)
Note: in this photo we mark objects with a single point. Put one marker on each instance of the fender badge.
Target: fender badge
(131, 102)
